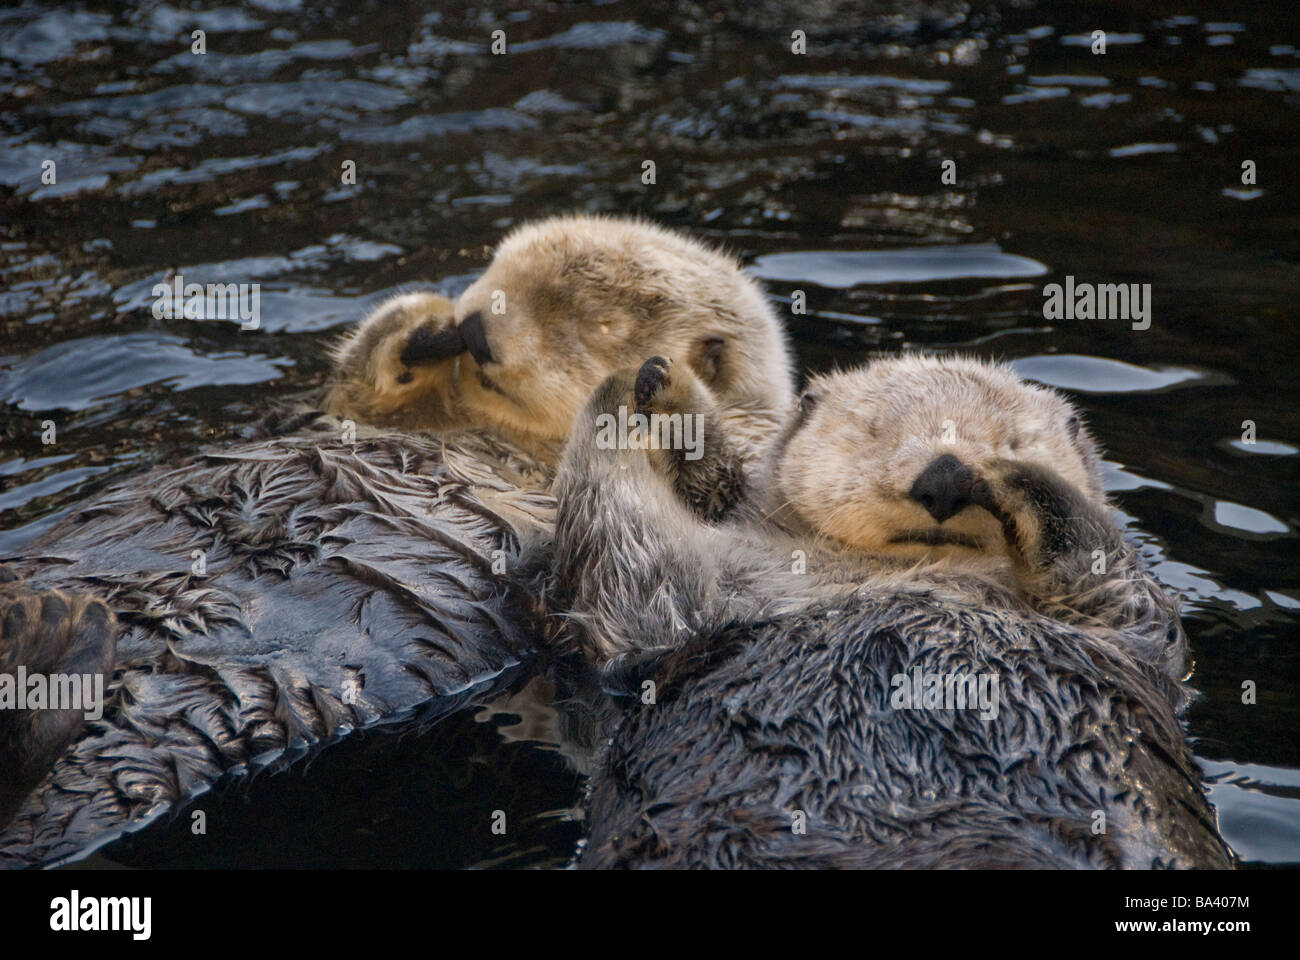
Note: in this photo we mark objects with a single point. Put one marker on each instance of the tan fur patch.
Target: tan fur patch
(563, 304)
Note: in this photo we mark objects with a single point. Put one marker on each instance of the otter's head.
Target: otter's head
(568, 301)
(395, 368)
(882, 458)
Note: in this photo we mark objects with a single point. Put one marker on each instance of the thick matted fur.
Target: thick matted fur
(346, 584)
(774, 639)
(343, 586)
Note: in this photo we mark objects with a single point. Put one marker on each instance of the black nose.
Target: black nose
(471, 329)
(944, 487)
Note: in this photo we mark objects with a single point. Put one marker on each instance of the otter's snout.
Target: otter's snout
(944, 487)
(475, 337)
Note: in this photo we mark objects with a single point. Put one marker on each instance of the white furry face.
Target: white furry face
(565, 303)
(858, 461)
(543, 349)
(569, 301)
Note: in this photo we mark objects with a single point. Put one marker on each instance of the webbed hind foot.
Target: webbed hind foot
(51, 645)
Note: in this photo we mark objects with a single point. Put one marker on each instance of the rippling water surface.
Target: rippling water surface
(824, 171)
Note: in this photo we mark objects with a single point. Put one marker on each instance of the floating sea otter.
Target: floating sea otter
(267, 598)
(919, 640)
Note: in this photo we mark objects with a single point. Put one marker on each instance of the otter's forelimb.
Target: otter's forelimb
(1077, 565)
(633, 564)
(704, 468)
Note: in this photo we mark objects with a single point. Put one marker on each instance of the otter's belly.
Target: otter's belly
(903, 733)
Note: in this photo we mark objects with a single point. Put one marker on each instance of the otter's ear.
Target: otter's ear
(808, 401)
(706, 358)
(425, 346)
(1088, 452)
(1072, 427)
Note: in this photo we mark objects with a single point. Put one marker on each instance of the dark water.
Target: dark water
(823, 170)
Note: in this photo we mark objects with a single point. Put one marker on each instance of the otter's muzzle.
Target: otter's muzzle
(944, 487)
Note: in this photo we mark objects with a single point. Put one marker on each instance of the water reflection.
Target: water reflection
(77, 374)
(843, 269)
(1100, 375)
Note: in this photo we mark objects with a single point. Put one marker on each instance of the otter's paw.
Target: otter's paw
(699, 462)
(652, 382)
(432, 342)
(55, 637)
(665, 387)
(1043, 517)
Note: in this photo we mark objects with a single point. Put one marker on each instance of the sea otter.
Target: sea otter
(918, 641)
(266, 598)
(564, 303)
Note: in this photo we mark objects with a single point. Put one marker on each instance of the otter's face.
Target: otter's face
(565, 303)
(551, 318)
(882, 458)
(534, 353)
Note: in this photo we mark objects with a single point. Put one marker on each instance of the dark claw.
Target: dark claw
(981, 495)
(425, 346)
(650, 379)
